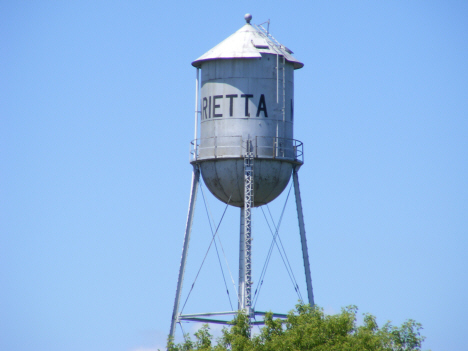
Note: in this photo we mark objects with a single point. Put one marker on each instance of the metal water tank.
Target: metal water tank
(247, 103)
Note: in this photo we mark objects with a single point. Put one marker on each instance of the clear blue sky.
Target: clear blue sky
(96, 115)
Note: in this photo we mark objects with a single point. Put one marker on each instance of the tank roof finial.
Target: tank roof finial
(248, 17)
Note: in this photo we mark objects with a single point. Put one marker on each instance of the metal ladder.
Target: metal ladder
(248, 204)
(280, 50)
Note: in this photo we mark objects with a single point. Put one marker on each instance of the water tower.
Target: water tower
(246, 151)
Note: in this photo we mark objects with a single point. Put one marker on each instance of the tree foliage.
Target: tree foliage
(309, 328)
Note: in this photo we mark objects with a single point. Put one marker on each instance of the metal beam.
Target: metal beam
(204, 314)
(218, 321)
(277, 315)
(207, 314)
(204, 320)
(305, 254)
(188, 230)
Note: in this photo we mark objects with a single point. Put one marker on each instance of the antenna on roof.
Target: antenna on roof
(268, 26)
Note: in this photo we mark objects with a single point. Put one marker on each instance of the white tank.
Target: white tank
(247, 98)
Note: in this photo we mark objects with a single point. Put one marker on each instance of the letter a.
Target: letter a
(262, 106)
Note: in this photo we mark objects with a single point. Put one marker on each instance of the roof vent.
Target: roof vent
(260, 43)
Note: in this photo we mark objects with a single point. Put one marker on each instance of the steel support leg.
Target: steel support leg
(305, 254)
(188, 230)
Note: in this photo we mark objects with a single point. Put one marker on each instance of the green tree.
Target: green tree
(309, 328)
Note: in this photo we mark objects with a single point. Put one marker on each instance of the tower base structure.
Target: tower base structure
(245, 259)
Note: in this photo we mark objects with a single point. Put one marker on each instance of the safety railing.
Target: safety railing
(235, 147)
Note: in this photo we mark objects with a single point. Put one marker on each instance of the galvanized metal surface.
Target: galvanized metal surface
(182, 316)
(197, 109)
(225, 179)
(247, 42)
(239, 97)
(183, 261)
(246, 145)
(224, 313)
(241, 289)
(240, 105)
(305, 251)
(201, 317)
(248, 203)
(218, 321)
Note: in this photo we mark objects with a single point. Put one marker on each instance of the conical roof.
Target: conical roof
(247, 42)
